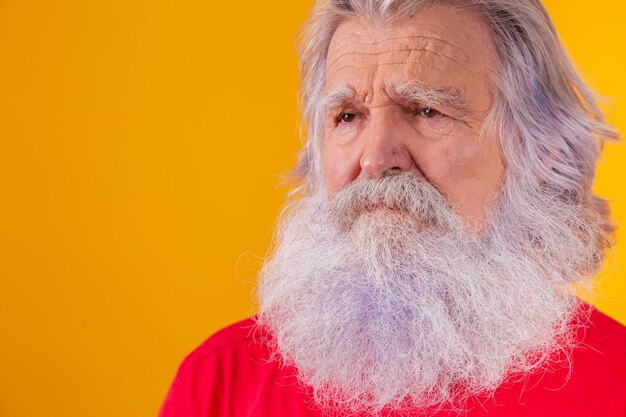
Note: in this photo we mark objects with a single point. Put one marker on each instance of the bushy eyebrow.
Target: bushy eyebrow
(410, 92)
(414, 92)
(337, 98)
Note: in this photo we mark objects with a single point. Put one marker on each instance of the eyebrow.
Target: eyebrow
(416, 92)
(337, 98)
(409, 92)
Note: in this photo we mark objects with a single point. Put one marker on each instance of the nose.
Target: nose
(384, 152)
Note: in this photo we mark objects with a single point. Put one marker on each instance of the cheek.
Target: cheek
(340, 165)
(437, 165)
(469, 174)
(459, 163)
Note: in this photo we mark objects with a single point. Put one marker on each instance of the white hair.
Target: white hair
(551, 130)
(380, 297)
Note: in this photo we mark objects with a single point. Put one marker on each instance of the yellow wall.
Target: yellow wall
(140, 145)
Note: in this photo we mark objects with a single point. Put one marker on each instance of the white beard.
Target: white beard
(383, 301)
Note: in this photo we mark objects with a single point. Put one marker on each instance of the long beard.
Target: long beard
(383, 301)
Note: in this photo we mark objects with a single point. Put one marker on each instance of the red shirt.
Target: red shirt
(229, 376)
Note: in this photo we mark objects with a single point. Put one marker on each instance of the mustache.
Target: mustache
(404, 192)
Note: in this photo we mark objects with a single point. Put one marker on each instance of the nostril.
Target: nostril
(392, 171)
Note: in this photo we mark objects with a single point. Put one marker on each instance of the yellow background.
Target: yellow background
(140, 147)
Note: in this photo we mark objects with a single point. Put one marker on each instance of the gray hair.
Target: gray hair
(550, 128)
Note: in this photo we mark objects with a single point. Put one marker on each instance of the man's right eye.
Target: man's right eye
(346, 117)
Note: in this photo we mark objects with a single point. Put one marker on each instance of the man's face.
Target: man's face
(412, 96)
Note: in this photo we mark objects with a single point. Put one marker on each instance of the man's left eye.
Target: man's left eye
(346, 117)
(429, 112)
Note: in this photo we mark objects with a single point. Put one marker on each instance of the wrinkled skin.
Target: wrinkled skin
(376, 131)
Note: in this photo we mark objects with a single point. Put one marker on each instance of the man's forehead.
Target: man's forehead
(442, 35)
(388, 50)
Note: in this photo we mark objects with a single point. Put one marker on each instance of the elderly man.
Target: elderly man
(445, 207)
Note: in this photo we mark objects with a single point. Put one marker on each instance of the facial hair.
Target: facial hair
(383, 301)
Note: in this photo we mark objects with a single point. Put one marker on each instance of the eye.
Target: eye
(346, 117)
(429, 112)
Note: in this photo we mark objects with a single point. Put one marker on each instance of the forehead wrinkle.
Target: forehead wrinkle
(419, 64)
(423, 43)
(408, 37)
(410, 52)
(417, 69)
